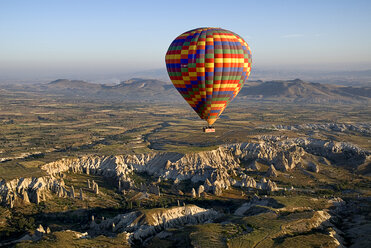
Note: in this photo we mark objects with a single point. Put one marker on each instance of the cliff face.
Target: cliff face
(363, 128)
(286, 153)
(29, 190)
(284, 157)
(335, 151)
(197, 167)
(283, 153)
(194, 166)
(141, 225)
(217, 169)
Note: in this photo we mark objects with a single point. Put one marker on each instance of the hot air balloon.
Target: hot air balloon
(208, 66)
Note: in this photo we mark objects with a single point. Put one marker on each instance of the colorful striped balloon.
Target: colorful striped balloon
(208, 66)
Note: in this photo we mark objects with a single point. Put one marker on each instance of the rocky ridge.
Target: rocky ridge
(364, 128)
(141, 225)
(29, 190)
(319, 219)
(217, 169)
(286, 153)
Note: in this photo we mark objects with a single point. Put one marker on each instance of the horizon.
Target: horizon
(79, 39)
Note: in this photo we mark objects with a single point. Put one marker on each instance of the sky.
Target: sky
(81, 37)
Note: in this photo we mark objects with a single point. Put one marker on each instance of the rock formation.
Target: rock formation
(364, 128)
(142, 225)
(72, 192)
(95, 188)
(217, 170)
(24, 196)
(284, 157)
(194, 166)
(285, 153)
(214, 165)
(200, 190)
(267, 185)
(272, 171)
(28, 189)
(254, 202)
(207, 185)
(313, 167)
(40, 230)
(254, 166)
(217, 188)
(246, 182)
(193, 193)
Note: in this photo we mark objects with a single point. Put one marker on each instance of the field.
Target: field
(39, 129)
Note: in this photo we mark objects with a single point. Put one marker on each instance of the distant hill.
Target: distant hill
(70, 85)
(152, 90)
(135, 89)
(147, 90)
(63, 83)
(144, 85)
(300, 91)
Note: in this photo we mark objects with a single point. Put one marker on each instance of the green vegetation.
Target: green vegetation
(70, 239)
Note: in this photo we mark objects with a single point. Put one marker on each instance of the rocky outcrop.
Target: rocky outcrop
(141, 225)
(313, 167)
(332, 150)
(26, 190)
(267, 185)
(363, 128)
(246, 182)
(200, 190)
(217, 170)
(193, 193)
(95, 187)
(249, 208)
(22, 156)
(194, 166)
(271, 172)
(352, 221)
(282, 152)
(254, 166)
(285, 153)
(211, 165)
(288, 159)
(207, 185)
(24, 196)
(284, 157)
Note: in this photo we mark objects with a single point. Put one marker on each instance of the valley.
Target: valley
(77, 171)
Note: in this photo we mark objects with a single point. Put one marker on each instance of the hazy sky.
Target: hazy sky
(48, 37)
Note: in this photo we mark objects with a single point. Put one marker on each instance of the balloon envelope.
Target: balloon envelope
(208, 66)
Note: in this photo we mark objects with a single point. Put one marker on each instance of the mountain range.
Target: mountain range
(152, 90)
